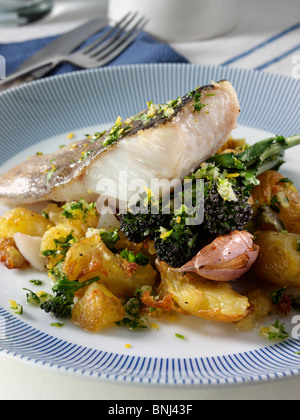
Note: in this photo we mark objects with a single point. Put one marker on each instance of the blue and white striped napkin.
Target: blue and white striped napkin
(268, 47)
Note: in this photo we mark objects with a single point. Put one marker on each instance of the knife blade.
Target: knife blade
(66, 43)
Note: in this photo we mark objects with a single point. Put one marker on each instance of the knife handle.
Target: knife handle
(26, 75)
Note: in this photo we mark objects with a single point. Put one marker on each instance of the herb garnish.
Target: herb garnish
(110, 238)
(16, 307)
(62, 245)
(139, 259)
(275, 331)
(50, 173)
(132, 307)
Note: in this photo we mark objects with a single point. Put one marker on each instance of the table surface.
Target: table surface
(266, 38)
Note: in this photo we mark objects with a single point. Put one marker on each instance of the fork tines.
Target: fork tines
(117, 38)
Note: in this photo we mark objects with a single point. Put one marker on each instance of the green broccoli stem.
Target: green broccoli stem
(275, 151)
(63, 284)
(258, 158)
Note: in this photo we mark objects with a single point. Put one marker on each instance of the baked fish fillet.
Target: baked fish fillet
(167, 141)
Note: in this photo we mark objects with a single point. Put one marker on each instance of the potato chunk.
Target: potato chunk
(193, 295)
(281, 195)
(122, 278)
(261, 307)
(23, 221)
(278, 261)
(98, 308)
(55, 243)
(77, 215)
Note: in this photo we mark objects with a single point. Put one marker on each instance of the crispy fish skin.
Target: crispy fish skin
(165, 145)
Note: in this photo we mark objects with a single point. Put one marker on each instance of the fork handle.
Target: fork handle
(28, 74)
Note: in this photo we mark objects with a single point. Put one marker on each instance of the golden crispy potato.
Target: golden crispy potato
(193, 295)
(98, 308)
(55, 243)
(23, 221)
(78, 215)
(280, 193)
(261, 307)
(10, 255)
(278, 261)
(122, 278)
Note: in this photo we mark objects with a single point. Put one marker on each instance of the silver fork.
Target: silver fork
(101, 52)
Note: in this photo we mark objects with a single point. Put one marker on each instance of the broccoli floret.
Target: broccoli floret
(139, 223)
(61, 304)
(224, 216)
(180, 243)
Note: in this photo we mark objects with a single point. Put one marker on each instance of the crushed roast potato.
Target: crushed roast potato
(193, 295)
(20, 220)
(97, 309)
(278, 261)
(90, 256)
(281, 195)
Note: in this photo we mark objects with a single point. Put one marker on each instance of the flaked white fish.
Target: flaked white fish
(163, 142)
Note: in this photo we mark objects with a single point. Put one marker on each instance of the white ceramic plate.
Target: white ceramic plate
(39, 117)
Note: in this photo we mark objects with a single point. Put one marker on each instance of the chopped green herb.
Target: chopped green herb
(139, 259)
(287, 181)
(118, 131)
(278, 295)
(132, 307)
(132, 323)
(57, 325)
(32, 298)
(16, 307)
(62, 245)
(110, 238)
(36, 282)
(275, 204)
(45, 215)
(79, 209)
(275, 331)
(50, 173)
(198, 105)
(96, 136)
(179, 336)
(85, 154)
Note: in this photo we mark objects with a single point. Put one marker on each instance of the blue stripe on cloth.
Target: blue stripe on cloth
(279, 58)
(262, 44)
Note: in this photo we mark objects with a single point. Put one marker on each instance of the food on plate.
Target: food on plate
(23, 221)
(90, 256)
(193, 295)
(279, 258)
(226, 258)
(166, 141)
(230, 219)
(97, 309)
(280, 194)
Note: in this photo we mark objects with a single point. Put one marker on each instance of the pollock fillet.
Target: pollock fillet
(155, 144)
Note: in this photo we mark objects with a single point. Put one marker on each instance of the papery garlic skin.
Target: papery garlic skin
(227, 258)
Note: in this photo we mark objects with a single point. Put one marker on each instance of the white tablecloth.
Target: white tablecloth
(266, 38)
